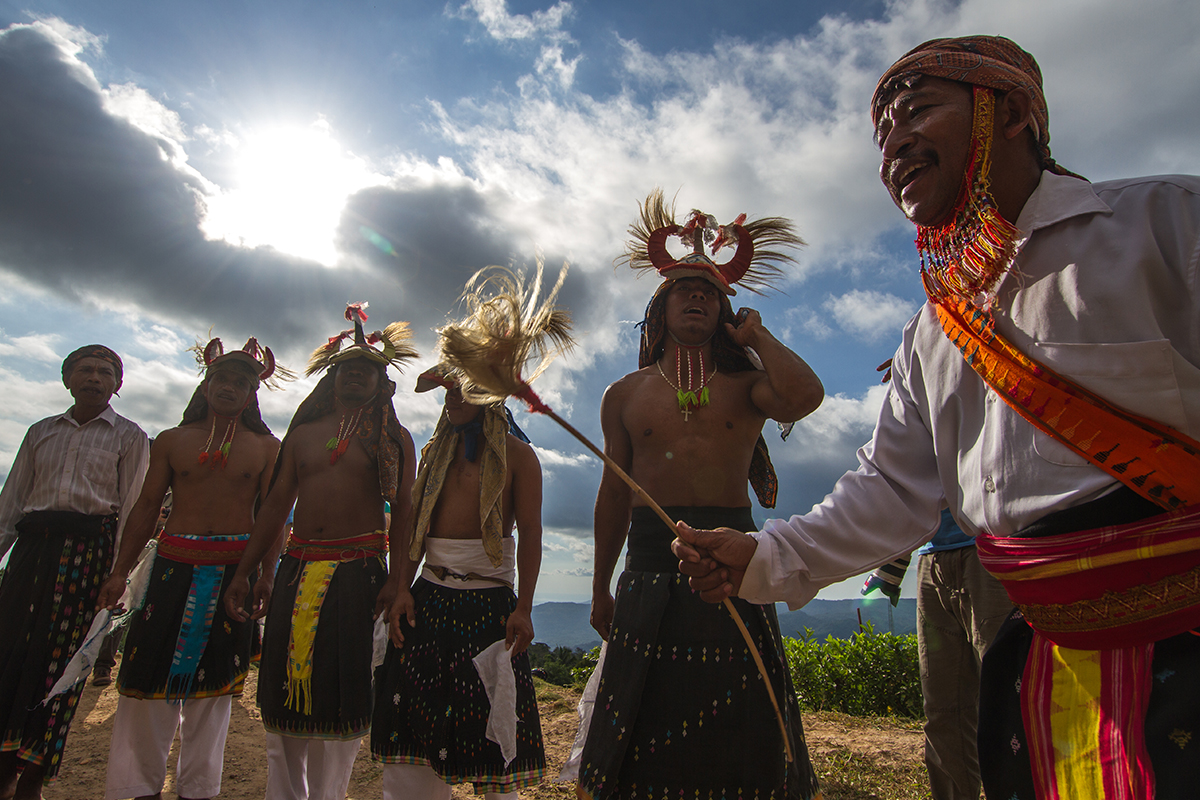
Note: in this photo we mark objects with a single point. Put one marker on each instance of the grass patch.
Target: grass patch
(846, 775)
(555, 699)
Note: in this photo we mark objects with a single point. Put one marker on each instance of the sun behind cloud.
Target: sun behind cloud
(291, 187)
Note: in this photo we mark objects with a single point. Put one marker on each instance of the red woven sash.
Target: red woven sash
(202, 550)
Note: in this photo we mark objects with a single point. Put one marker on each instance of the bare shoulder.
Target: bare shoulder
(621, 389)
(405, 436)
(166, 438)
(521, 455)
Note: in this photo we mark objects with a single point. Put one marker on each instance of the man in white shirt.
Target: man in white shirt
(1052, 300)
(66, 497)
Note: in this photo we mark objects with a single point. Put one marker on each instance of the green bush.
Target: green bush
(558, 665)
(583, 669)
(869, 674)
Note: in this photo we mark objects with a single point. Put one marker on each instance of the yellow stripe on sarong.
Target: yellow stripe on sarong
(1075, 721)
(306, 612)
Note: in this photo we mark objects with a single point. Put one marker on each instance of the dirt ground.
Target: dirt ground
(832, 739)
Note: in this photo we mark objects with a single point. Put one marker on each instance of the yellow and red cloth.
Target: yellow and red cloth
(321, 557)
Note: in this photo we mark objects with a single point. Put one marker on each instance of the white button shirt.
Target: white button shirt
(94, 468)
(1105, 291)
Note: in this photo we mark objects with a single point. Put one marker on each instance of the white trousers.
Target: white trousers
(412, 782)
(141, 741)
(309, 769)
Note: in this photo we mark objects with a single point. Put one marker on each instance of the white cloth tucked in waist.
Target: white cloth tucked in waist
(467, 555)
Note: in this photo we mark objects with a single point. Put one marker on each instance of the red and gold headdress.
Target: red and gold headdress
(256, 360)
(754, 264)
(259, 359)
(388, 347)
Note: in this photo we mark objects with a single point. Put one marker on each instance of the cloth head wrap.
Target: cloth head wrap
(94, 351)
(990, 61)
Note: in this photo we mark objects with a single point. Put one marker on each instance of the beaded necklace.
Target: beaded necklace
(693, 396)
(337, 445)
(219, 457)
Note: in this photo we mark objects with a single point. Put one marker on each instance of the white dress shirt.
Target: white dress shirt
(1105, 292)
(94, 468)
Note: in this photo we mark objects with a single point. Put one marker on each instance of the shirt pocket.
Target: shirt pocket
(1136, 376)
(98, 467)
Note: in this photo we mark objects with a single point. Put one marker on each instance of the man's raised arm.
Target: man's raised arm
(789, 390)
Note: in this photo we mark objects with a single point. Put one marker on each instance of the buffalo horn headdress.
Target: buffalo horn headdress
(755, 261)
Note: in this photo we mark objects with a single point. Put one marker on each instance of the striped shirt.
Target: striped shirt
(94, 468)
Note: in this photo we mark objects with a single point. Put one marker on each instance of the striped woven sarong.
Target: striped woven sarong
(1097, 601)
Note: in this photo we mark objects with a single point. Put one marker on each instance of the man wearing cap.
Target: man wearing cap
(1049, 395)
(344, 455)
(184, 658)
(435, 709)
(678, 683)
(65, 501)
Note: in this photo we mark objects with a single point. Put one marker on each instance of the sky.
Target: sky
(168, 169)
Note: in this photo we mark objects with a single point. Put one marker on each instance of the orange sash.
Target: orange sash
(1156, 461)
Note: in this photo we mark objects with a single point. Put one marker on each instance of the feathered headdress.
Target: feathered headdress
(389, 346)
(505, 327)
(258, 358)
(755, 262)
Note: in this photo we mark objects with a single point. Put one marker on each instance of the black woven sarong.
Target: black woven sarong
(47, 603)
(431, 707)
(681, 710)
(153, 634)
(341, 679)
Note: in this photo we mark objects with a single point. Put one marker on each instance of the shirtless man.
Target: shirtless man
(216, 465)
(687, 427)
(344, 455)
(478, 477)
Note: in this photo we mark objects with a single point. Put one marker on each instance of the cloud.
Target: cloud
(36, 347)
(540, 25)
(500, 24)
(104, 217)
(870, 315)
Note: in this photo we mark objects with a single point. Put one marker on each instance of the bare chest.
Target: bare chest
(194, 463)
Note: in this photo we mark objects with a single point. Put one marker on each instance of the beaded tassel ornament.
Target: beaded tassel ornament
(338, 444)
(966, 258)
(219, 457)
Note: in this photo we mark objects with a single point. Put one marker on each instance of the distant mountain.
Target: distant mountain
(564, 625)
(567, 624)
